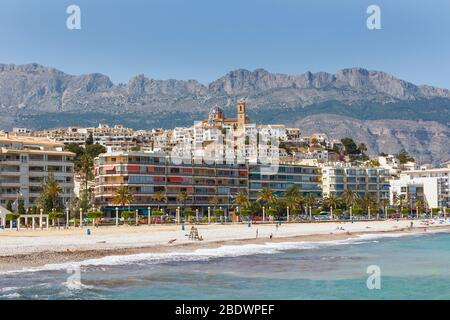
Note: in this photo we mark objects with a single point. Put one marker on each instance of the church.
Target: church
(216, 118)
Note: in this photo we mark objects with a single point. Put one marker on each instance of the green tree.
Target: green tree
(79, 152)
(350, 146)
(182, 198)
(95, 215)
(158, 213)
(350, 198)
(55, 215)
(367, 202)
(123, 196)
(267, 197)
(86, 171)
(241, 199)
(218, 213)
(21, 206)
(94, 150)
(404, 157)
(188, 213)
(293, 199)
(49, 197)
(310, 200)
(127, 215)
(213, 201)
(12, 217)
(331, 201)
(159, 197)
(399, 201)
(89, 139)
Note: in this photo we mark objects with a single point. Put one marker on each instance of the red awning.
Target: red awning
(175, 179)
(109, 168)
(150, 169)
(134, 168)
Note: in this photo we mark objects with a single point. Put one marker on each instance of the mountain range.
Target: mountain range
(374, 107)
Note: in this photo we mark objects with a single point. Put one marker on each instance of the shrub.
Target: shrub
(94, 214)
(12, 216)
(128, 214)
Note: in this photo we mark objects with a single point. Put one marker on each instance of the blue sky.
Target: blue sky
(204, 39)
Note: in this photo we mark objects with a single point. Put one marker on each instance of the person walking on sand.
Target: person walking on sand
(271, 236)
(256, 233)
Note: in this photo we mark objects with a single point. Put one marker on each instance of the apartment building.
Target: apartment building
(433, 186)
(25, 162)
(117, 137)
(281, 177)
(147, 173)
(372, 181)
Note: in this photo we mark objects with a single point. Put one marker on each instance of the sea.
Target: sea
(387, 266)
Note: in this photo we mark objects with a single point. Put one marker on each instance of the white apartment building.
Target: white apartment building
(25, 162)
(117, 137)
(431, 185)
(373, 181)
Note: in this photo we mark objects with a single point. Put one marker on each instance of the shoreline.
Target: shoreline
(35, 256)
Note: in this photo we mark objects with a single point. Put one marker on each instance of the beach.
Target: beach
(34, 248)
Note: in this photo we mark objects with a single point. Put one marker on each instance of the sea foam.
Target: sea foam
(206, 254)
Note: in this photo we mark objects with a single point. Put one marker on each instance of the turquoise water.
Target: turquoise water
(412, 267)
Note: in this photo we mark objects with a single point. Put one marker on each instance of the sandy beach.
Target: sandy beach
(34, 248)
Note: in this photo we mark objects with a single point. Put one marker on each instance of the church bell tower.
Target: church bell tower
(241, 116)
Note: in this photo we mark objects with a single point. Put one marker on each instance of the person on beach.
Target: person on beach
(412, 225)
(256, 233)
(271, 236)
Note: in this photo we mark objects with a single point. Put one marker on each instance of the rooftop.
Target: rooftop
(7, 137)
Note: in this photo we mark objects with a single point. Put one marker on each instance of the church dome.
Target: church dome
(216, 110)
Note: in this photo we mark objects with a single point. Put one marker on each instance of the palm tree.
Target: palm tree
(159, 197)
(331, 202)
(399, 201)
(383, 204)
(267, 197)
(86, 171)
(50, 194)
(419, 205)
(241, 199)
(293, 198)
(367, 202)
(182, 197)
(350, 198)
(310, 200)
(123, 196)
(53, 190)
(213, 201)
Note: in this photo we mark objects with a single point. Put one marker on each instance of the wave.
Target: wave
(225, 251)
(8, 289)
(10, 296)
